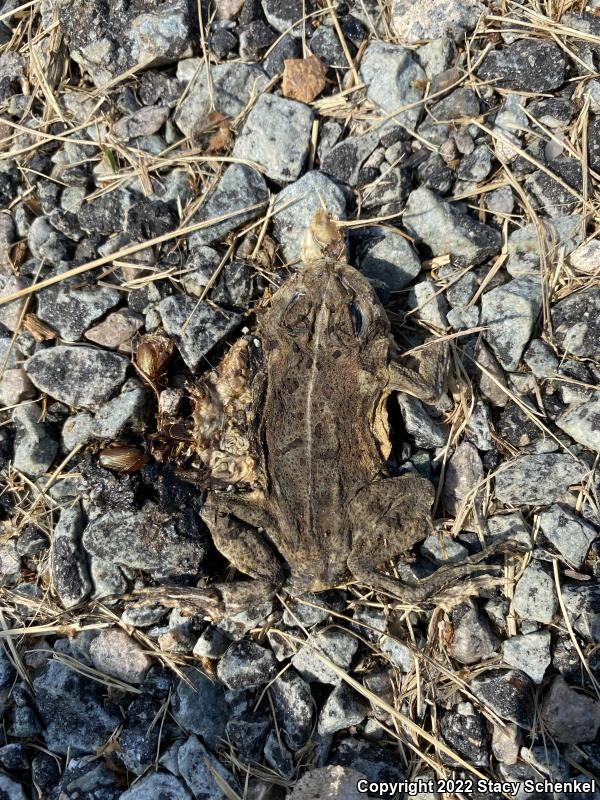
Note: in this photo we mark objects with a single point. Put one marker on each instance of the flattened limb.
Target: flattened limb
(427, 381)
(387, 518)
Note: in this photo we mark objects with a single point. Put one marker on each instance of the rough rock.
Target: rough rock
(82, 377)
(247, 665)
(576, 322)
(344, 161)
(328, 783)
(296, 204)
(343, 708)
(115, 653)
(70, 309)
(285, 14)
(464, 476)
(570, 534)
(434, 19)
(276, 136)
(508, 693)
(569, 716)
(425, 431)
(35, 447)
(294, 708)
(72, 710)
(116, 331)
(446, 230)
(239, 189)
(527, 65)
(583, 607)
(147, 539)
(510, 312)
(198, 705)
(126, 413)
(155, 785)
(388, 257)
(537, 479)
(466, 734)
(197, 766)
(207, 326)
(582, 423)
(529, 653)
(393, 79)
(68, 567)
(227, 89)
(535, 595)
(335, 645)
(472, 637)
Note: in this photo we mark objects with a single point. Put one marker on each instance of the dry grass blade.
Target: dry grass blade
(94, 674)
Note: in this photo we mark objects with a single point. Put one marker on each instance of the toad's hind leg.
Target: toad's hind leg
(387, 517)
(427, 381)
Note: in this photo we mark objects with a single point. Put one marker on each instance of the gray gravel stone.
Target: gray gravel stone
(476, 166)
(393, 79)
(72, 710)
(147, 539)
(35, 447)
(425, 431)
(463, 476)
(570, 534)
(115, 653)
(70, 310)
(473, 638)
(227, 90)
(443, 549)
(78, 376)
(198, 705)
(10, 564)
(344, 160)
(507, 693)
(433, 19)
(247, 665)
(503, 527)
(11, 790)
(583, 606)
(537, 479)
(548, 194)
(569, 716)
(107, 579)
(527, 65)
(582, 423)
(15, 387)
(294, 707)
(540, 359)
(239, 188)
(68, 565)
(197, 766)
(529, 653)
(110, 41)
(276, 136)
(296, 204)
(328, 783)
(343, 708)
(466, 733)
(535, 595)
(576, 322)
(510, 312)
(428, 303)
(283, 14)
(335, 645)
(158, 785)
(387, 256)
(10, 313)
(206, 328)
(462, 102)
(446, 230)
(123, 414)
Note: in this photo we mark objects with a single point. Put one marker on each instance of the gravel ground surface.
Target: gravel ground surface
(157, 173)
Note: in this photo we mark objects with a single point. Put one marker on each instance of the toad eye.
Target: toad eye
(356, 317)
(296, 316)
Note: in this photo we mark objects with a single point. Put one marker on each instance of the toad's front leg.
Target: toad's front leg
(233, 521)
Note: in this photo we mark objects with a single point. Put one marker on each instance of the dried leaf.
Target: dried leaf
(222, 138)
(38, 329)
(303, 78)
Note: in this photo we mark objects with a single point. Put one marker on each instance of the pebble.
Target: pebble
(148, 539)
(247, 665)
(343, 708)
(428, 303)
(506, 742)
(576, 322)
(338, 646)
(387, 256)
(120, 39)
(583, 607)
(472, 636)
(570, 534)
(15, 387)
(507, 693)
(198, 705)
(284, 14)
(207, 326)
(464, 476)
(466, 734)
(344, 161)
(294, 707)
(278, 757)
(68, 567)
(460, 103)
(239, 188)
(538, 479)
(116, 331)
(548, 194)
(535, 595)
(399, 654)
(540, 359)
(529, 654)
(107, 579)
(504, 527)
(433, 19)
(425, 431)
(72, 710)
(527, 65)
(276, 136)
(143, 122)
(393, 79)
(10, 313)
(446, 230)
(581, 423)
(225, 89)
(569, 716)
(123, 415)
(510, 312)
(115, 653)
(296, 204)
(476, 166)
(155, 785)
(437, 55)
(77, 376)
(328, 783)
(35, 446)
(10, 789)
(198, 766)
